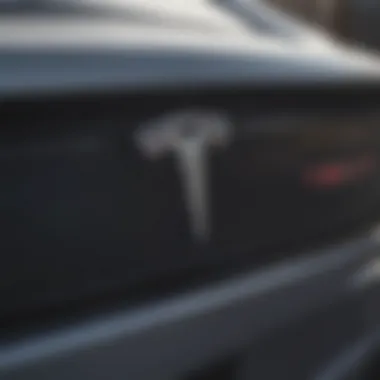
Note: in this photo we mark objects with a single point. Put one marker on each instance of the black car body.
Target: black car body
(102, 276)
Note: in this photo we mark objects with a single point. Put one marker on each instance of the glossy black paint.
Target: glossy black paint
(98, 220)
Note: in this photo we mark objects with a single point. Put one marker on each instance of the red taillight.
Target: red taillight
(335, 174)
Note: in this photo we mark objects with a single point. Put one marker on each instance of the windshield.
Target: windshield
(242, 16)
(196, 15)
(198, 11)
(189, 7)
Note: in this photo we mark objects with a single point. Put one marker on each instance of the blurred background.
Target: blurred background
(353, 21)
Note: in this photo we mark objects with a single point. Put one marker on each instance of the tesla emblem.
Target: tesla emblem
(189, 136)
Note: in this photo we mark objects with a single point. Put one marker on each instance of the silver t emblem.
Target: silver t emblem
(188, 135)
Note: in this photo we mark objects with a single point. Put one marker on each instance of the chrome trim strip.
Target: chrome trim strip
(227, 316)
(347, 364)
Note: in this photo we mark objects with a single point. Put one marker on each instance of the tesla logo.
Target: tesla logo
(189, 136)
